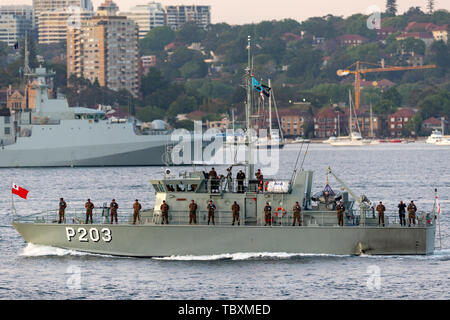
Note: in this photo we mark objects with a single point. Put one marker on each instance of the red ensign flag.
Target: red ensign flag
(21, 192)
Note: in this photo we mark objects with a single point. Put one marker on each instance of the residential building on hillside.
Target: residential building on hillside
(105, 49)
(398, 120)
(13, 28)
(53, 25)
(177, 16)
(426, 37)
(147, 63)
(292, 121)
(351, 40)
(147, 17)
(55, 5)
(441, 33)
(329, 122)
(431, 124)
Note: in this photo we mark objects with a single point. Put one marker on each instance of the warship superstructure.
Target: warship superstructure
(319, 233)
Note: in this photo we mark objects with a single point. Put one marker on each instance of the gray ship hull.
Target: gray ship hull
(170, 240)
(85, 156)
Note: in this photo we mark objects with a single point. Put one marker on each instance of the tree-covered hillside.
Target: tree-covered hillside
(203, 69)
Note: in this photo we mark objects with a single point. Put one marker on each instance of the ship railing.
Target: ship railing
(183, 217)
(100, 215)
(422, 218)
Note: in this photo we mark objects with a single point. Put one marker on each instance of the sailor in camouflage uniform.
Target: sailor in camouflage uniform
(164, 212)
(113, 207)
(62, 210)
(211, 209)
(236, 209)
(297, 211)
(89, 207)
(136, 211)
(268, 214)
(193, 212)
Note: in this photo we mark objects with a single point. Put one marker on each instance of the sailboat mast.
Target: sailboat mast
(371, 121)
(249, 110)
(270, 111)
(350, 119)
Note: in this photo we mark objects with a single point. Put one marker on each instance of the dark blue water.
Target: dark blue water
(387, 173)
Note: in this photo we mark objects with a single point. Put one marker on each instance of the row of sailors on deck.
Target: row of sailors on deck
(113, 207)
(412, 209)
(235, 209)
(240, 177)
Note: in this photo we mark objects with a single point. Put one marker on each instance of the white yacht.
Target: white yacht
(355, 139)
(435, 137)
(330, 140)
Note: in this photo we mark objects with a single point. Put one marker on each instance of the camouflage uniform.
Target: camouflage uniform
(212, 176)
(113, 207)
(240, 177)
(268, 215)
(136, 209)
(89, 206)
(297, 211)
(211, 209)
(62, 210)
(340, 208)
(193, 213)
(165, 212)
(381, 209)
(235, 209)
(412, 213)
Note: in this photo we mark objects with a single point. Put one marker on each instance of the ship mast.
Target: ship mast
(270, 110)
(250, 165)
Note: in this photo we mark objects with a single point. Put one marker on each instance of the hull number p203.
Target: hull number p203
(91, 234)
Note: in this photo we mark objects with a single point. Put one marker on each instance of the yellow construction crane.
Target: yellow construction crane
(360, 70)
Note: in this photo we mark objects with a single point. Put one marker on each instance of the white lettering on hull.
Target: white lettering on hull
(92, 235)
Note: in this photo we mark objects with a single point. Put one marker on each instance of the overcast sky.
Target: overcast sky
(248, 11)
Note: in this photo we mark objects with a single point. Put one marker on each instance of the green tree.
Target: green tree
(194, 69)
(391, 7)
(430, 6)
(440, 55)
(150, 113)
(152, 82)
(156, 39)
(413, 126)
(183, 104)
(189, 33)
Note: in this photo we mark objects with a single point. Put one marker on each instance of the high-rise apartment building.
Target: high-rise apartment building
(15, 21)
(54, 5)
(105, 49)
(52, 26)
(177, 16)
(147, 17)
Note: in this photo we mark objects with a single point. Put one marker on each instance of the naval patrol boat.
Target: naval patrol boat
(319, 233)
(49, 133)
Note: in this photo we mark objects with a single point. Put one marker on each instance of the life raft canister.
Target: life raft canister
(281, 211)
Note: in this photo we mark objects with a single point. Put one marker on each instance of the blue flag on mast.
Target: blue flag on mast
(261, 88)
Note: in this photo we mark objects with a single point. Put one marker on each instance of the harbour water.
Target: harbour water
(386, 172)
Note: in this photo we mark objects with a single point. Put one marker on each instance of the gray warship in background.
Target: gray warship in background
(319, 233)
(49, 133)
